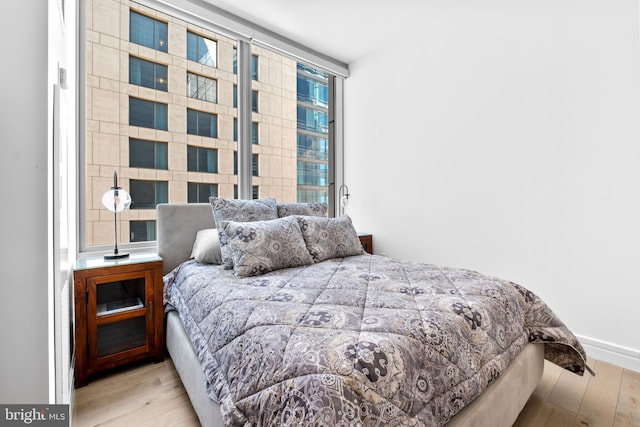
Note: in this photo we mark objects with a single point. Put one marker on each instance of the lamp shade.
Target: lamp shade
(116, 200)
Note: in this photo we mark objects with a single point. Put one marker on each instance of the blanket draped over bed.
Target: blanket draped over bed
(363, 340)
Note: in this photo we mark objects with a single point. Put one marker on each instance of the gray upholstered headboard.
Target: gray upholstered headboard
(177, 226)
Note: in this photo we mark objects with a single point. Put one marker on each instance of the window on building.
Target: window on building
(313, 120)
(142, 231)
(235, 96)
(255, 192)
(200, 192)
(254, 164)
(254, 133)
(148, 74)
(201, 87)
(312, 87)
(254, 67)
(254, 101)
(147, 114)
(201, 159)
(147, 194)
(255, 136)
(313, 146)
(147, 31)
(314, 174)
(235, 129)
(201, 123)
(201, 49)
(148, 154)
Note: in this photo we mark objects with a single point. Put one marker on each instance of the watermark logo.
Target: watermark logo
(35, 415)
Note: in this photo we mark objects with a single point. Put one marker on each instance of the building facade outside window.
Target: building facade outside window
(312, 134)
(162, 112)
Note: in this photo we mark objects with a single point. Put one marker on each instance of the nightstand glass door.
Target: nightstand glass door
(119, 314)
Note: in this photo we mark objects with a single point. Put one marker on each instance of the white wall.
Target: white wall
(37, 231)
(24, 268)
(504, 137)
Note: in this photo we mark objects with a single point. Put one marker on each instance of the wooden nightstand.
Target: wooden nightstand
(118, 313)
(367, 242)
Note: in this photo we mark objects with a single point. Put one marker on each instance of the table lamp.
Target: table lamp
(116, 200)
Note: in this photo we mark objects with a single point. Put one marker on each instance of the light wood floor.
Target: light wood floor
(152, 395)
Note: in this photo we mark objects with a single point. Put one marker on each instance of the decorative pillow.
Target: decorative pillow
(206, 248)
(262, 246)
(242, 211)
(329, 237)
(311, 208)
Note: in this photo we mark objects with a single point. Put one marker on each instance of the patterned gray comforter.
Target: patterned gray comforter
(364, 340)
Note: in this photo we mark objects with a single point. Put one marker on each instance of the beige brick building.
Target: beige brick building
(109, 132)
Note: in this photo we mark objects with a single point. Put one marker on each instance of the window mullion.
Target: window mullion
(244, 121)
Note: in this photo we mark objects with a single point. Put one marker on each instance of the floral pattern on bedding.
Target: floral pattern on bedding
(364, 340)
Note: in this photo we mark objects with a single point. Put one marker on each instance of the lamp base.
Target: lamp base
(116, 256)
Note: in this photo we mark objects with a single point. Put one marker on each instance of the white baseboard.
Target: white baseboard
(611, 353)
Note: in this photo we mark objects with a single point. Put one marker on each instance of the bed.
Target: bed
(368, 372)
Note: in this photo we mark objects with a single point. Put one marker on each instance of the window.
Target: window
(255, 193)
(147, 31)
(254, 101)
(312, 87)
(313, 146)
(235, 96)
(254, 164)
(235, 63)
(311, 195)
(147, 74)
(202, 50)
(255, 136)
(147, 114)
(142, 231)
(254, 67)
(148, 154)
(147, 194)
(200, 193)
(202, 159)
(201, 87)
(254, 133)
(235, 129)
(315, 174)
(313, 120)
(201, 123)
(163, 138)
